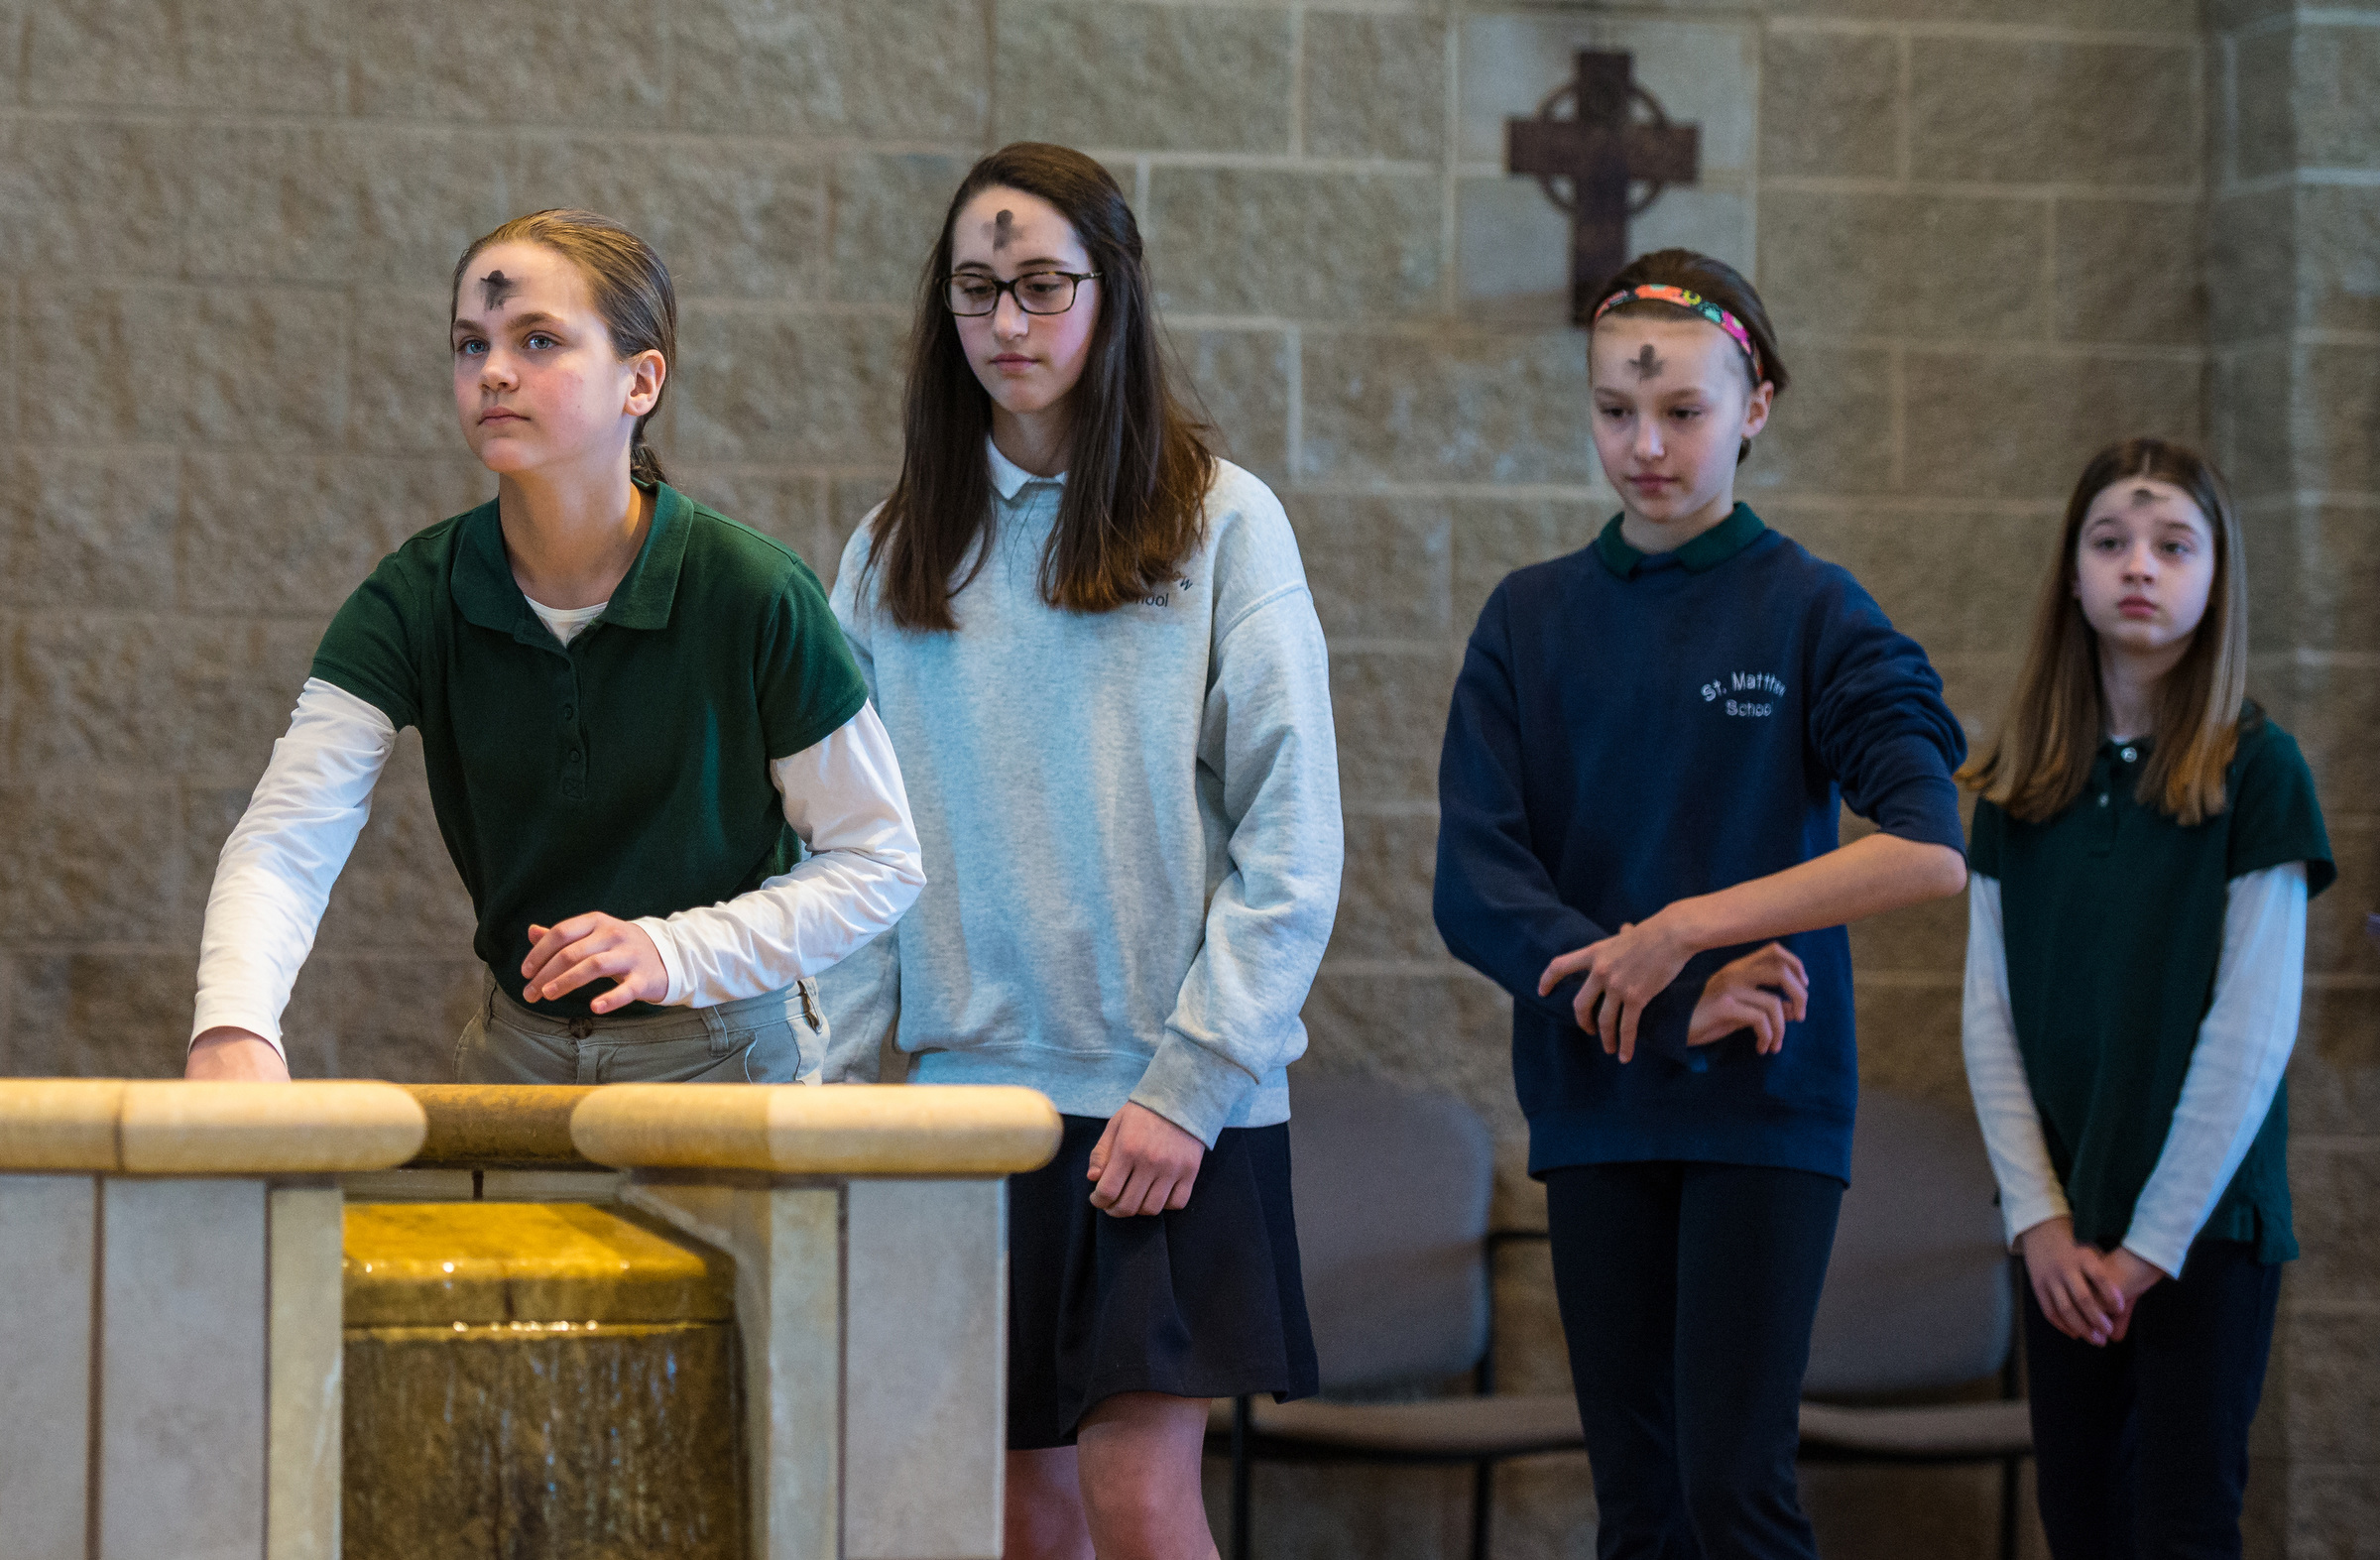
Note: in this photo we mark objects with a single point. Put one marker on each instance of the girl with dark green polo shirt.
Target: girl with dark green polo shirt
(651, 757)
(2142, 853)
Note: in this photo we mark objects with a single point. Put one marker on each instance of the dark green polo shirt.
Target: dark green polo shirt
(627, 774)
(2113, 918)
(1709, 551)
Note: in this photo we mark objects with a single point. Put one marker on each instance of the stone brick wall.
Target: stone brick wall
(1986, 228)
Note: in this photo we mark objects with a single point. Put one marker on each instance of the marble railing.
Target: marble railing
(172, 1311)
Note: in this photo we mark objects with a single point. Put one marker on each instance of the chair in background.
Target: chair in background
(1391, 1191)
(1920, 1299)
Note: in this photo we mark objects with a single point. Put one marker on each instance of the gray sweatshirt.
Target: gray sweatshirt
(1130, 824)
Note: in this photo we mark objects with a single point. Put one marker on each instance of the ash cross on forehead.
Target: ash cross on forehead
(1647, 363)
(1004, 231)
(494, 288)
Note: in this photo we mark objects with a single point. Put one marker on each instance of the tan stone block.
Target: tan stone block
(585, 61)
(2335, 1203)
(90, 529)
(93, 861)
(1831, 104)
(1378, 565)
(2338, 251)
(1385, 889)
(78, 346)
(1926, 266)
(850, 501)
(2264, 132)
(2335, 940)
(2336, 94)
(1241, 378)
(297, 536)
(1494, 536)
(1390, 705)
(2253, 394)
(893, 70)
(778, 502)
(1832, 431)
(2337, 406)
(2331, 1510)
(2022, 424)
(1112, 74)
(395, 1019)
(770, 386)
(2334, 1375)
(1909, 1039)
(1448, 1032)
(400, 376)
(1315, 246)
(46, 1225)
(2252, 239)
(420, 194)
(2332, 709)
(187, 53)
(84, 196)
(1376, 86)
(2037, 112)
(2130, 270)
(885, 207)
(102, 1013)
(182, 1368)
(1958, 583)
(2224, 16)
(2334, 1073)
(1703, 74)
(266, 367)
(1446, 405)
(304, 1342)
(1977, 688)
(2164, 16)
(1924, 939)
(731, 217)
(399, 890)
(150, 694)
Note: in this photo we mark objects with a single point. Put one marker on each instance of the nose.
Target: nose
(1009, 322)
(2140, 562)
(1647, 444)
(495, 371)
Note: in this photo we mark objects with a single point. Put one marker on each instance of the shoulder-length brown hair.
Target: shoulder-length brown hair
(2041, 758)
(632, 291)
(1136, 478)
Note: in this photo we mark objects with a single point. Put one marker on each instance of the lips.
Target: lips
(495, 415)
(2137, 607)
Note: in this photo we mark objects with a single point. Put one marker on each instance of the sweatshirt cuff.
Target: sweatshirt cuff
(1192, 1087)
(665, 942)
(229, 1015)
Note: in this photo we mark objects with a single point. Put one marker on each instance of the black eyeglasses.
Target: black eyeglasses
(971, 293)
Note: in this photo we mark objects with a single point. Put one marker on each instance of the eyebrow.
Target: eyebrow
(534, 318)
(1043, 263)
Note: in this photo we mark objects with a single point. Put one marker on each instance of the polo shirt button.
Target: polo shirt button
(2130, 753)
(574, 759)
(2102, 794)
(570, 712)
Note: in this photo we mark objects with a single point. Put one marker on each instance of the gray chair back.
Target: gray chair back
(1916, 1295)
(1391, 1190)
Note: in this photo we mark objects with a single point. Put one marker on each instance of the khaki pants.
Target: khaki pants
(780, 1038)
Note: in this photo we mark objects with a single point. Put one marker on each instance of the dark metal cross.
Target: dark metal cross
(1600, 152)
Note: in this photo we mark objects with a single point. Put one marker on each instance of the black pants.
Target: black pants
(1688, 1291)
(2143, 1445)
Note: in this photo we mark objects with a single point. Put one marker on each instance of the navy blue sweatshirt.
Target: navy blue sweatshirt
(1634, 730)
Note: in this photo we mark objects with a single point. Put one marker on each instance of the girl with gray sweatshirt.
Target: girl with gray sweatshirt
(1092, 642)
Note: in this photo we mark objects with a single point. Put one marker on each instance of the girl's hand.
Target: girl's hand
(2135, 1278)
(568, 954)
(228, 1054)
(2071, 1282)
(1623, 973)
(1143, 1165)
(1761, 992)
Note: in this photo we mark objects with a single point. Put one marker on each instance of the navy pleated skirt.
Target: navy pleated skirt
(1203, 1301)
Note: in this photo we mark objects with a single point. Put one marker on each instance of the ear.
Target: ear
(1756, 408)
(647, 371)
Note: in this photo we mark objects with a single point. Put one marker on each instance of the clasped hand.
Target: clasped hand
(568, 954)
(1760, 992)
(2087, 1293)
(1142, 1165)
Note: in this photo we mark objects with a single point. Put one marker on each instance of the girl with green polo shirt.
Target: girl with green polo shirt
(2143, 850)
(651, 757)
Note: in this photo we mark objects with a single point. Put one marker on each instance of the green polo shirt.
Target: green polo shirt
(2113, 918)
(628, 772)
(1709, 551)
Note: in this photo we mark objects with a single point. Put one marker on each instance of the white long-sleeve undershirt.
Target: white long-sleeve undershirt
(2235, 1067)
(843, 796)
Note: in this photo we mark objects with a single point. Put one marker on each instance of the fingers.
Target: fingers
(2054, 1307)
(1114, 1178)
(1564, 968)
(1099, 1151)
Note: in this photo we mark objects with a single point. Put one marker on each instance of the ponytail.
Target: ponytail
(644, 466)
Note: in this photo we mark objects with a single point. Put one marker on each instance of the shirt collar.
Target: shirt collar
(1008, 477)
(485, 590)
(1709, 551)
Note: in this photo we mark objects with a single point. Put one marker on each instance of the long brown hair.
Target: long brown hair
(1719, 283)
(1137, 474)
(2040, 761)
(632, 291)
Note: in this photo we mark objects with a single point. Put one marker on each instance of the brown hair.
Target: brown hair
(1137, 474)
(1715, 280)
(632, 293)
(2040, 761)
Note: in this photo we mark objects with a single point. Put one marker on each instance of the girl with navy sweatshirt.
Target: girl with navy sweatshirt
(1650, 744)
(2144, 847)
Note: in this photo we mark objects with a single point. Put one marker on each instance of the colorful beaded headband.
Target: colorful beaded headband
(1662, 293)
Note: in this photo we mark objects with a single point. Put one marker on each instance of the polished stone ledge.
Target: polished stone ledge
(854, 1129)
(152, 1127)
